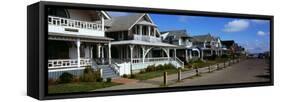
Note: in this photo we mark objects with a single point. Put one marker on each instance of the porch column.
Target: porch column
(78, 43)
(143, 53)
(109, 53)
(131, 51)
(175, 53)
(148, 30)
(99, 48)
(91, 52)
(190, 54)
(168, 51)
(217, 52)
(186, 55)
(154, 31)
(202, 55)
(204, 44)
(140, 29)
(102, 54)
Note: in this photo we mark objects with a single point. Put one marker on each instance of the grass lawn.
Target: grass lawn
(208, 62)
(78, 87)
(149, 75)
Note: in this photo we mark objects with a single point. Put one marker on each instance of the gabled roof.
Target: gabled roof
(123, 23)
(176, 34)
(106, 15)
(203, 38)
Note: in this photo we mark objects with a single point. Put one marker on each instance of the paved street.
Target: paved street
(252, 70)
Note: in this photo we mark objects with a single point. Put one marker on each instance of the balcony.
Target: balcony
(76, 27)
(152, 39)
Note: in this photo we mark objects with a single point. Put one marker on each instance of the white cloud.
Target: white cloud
(183, 19)
(261, 33)
(236, 26)
(256, 46)
(260, 21)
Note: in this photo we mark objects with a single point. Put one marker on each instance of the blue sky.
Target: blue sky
(252, 34)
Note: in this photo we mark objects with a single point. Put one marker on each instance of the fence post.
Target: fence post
(197, 71)
(179, 75)
(218, 66)
(209, 67)
(100, 72)
(165, 78)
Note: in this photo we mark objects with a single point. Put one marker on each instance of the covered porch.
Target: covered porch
(187, 54)
(136, 55)
(72, 52)
(209, 52)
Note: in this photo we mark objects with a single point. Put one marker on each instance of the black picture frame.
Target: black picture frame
(37, 32)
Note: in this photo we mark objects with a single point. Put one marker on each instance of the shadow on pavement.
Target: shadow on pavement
(263, 76)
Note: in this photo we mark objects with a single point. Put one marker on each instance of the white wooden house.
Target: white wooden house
(186, 51)
(208, 45)
(116, 45)
(137, 43)
(76, 38)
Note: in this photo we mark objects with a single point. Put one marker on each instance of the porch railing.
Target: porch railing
(60, 21)
(116, 68)
(181, 63)
(67, 63)
(146, 38)
(140, 60)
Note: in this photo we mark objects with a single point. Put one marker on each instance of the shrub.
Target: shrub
(76, 79)
(125, 76)
(52, 81)
(160, 67)
(142, 71)
(108, 80)
(99, 79)
(150, 68)
(224, 56)
(89, 75)
(132, 76)
(66, 77)
(168, 66)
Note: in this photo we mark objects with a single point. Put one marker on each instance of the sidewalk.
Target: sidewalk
(158, 81)
(173, 78)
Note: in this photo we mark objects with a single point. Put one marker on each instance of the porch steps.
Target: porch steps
(108, 72)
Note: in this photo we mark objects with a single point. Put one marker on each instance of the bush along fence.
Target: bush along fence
(195, 71)
(87, 75)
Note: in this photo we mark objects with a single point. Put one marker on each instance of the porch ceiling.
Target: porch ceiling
(138, 42)
(72, 37)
